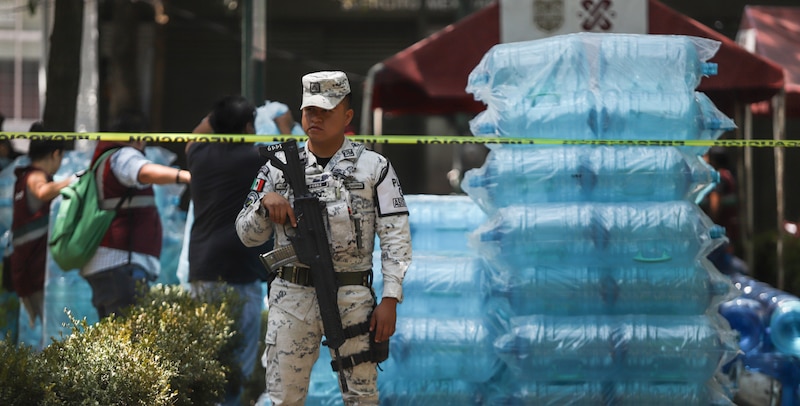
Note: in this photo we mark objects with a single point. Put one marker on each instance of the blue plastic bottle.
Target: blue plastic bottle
(782, 312)
(432, 348)
(783, 367)
(447, 286)
(524, 393)
(747, 316)
(655, 289)
(608, 115)
(654, 63)
(597, 235)
(566, 63)
(525, 174)
(550, 65)
(397, 391)
(675, 116)
(441, 223)
(616, 348)
(569, 116)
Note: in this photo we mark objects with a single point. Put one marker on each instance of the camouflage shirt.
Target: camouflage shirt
(363, 199)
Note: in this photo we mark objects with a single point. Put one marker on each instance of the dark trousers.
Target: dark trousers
(115, 289)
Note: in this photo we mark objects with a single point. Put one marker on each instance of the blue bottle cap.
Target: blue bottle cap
(716, 231)
(710, 69)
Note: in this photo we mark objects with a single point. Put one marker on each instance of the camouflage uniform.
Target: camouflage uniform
(363, 198)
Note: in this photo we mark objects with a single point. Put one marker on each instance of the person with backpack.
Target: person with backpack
(33, 192)
(128, 256)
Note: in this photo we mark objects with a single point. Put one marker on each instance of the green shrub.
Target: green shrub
(196, 336)
(101, 365)
(168, 350)
(23, 379)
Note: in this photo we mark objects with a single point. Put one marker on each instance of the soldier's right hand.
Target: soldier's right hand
(278, 208)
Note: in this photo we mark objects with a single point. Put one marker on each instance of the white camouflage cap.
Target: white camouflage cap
(324, 89)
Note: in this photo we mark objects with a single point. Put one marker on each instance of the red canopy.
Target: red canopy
(775, 32)
(430, 76)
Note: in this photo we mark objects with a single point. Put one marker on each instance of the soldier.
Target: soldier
(362, 198)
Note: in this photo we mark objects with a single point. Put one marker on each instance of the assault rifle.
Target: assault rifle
(310, 244)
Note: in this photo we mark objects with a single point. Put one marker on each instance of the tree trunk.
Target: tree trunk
(64, 66)
(124, 92)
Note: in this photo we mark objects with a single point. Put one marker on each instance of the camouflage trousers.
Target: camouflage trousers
(294, 333)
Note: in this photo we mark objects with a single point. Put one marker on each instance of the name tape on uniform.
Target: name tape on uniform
(391, 139)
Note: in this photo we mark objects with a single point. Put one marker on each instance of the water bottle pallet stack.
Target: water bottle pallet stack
(585, 280)
(766, 319)
(598, 253)
(442, 351)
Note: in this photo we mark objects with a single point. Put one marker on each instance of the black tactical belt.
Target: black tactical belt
(302, 276)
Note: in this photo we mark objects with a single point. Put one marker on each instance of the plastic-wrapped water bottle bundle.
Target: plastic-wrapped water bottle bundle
(608, 115)
(445, 285)
(748, 318)
(442, 223)
(519, 174)
(567, 63)
(396, 391)
(511, 392)
(434, 348)
(597, 234)
(782, 312)
(656, 289)
(623, 348)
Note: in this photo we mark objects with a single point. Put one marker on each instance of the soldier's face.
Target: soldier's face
(323, 125)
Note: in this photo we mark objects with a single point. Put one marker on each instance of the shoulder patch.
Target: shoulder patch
(389, 194)
(252, 197)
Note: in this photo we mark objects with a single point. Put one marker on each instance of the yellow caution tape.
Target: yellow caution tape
(392, 139)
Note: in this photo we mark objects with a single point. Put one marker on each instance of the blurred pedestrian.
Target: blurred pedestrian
(221, 177)
(33, 192)
(127, 259)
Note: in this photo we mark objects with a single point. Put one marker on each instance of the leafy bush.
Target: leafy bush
(169, 350)
(101, 365)
(22, 375)
(196, 336)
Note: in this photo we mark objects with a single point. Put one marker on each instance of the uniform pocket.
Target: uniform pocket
(340, 226)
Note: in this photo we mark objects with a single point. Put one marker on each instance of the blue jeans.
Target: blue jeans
(248, 324)
(117, 288)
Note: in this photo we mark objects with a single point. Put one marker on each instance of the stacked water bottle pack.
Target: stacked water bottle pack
(597, 254)
(442, 350)
(767, 319)
(584, 278)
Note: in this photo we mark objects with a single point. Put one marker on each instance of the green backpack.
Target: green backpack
(81, 222)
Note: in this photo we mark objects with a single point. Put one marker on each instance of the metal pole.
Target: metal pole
(778, 128)
(247, 49)
(749, 249)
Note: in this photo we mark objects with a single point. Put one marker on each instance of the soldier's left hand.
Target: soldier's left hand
(384, 319)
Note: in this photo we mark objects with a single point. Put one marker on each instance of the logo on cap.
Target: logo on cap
(324, 89)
